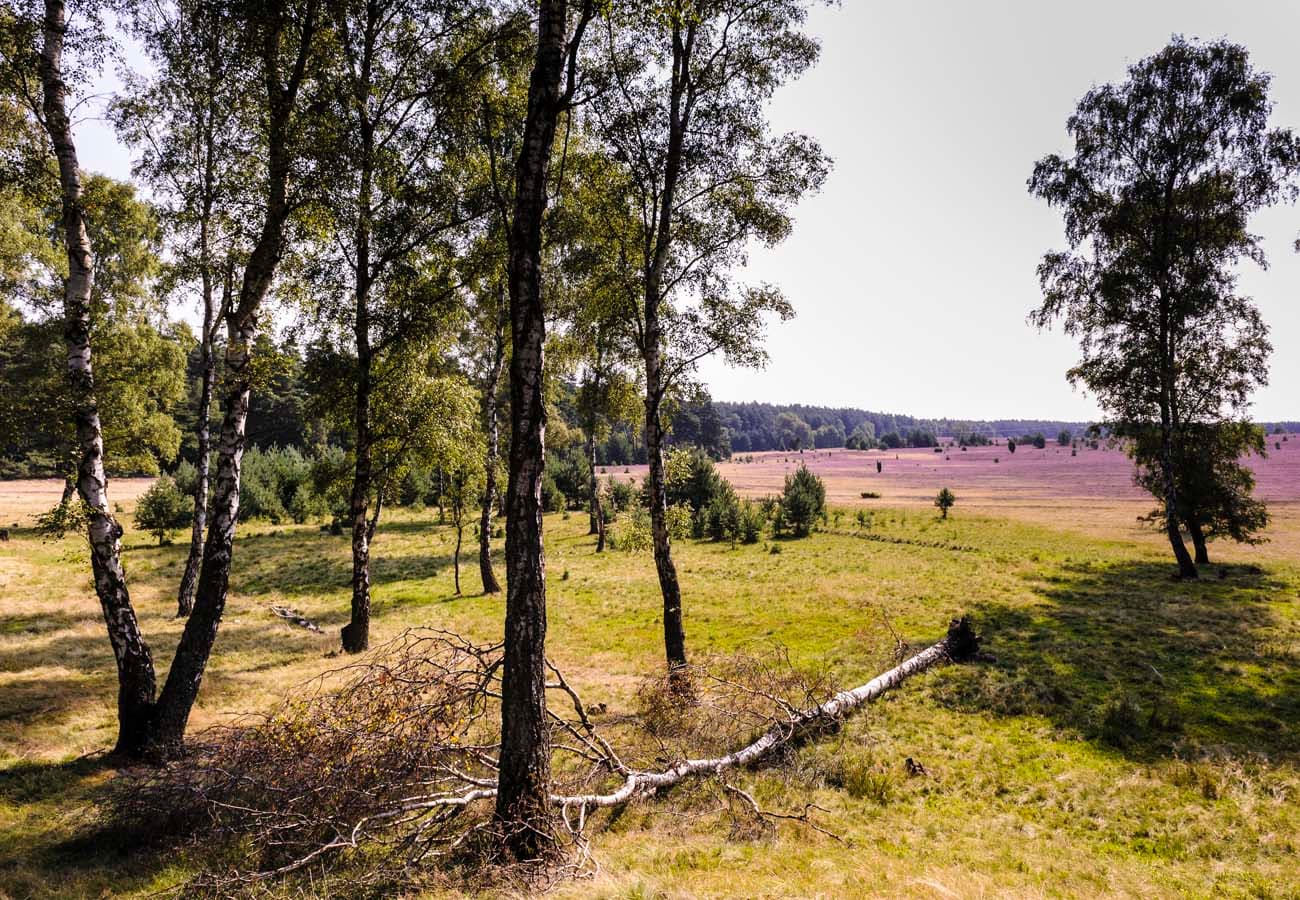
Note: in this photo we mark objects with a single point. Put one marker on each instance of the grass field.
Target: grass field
(1132, 735)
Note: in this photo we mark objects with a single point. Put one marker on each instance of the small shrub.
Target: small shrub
(945, 501)
(749, 525)
(679, 522)
(802, 503)
(621, 494)
(553, 499)
(631, 534)
(163, 509)
(870, 495)
(1121, 722)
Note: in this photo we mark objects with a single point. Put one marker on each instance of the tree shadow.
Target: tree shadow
(1128, 658)
(77, 857)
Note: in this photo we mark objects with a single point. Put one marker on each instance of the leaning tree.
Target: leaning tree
(1168, 167)
(702, 179)
(45, 55)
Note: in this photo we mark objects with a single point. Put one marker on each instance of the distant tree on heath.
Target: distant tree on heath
(945, 501)
(1064, 438)
(1168, 167)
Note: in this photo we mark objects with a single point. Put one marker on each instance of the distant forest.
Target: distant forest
(280, 415)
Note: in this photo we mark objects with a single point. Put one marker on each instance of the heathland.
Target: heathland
(1126, 734)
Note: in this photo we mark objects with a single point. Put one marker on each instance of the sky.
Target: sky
(913, 270)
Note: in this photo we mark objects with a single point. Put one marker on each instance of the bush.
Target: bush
(271, 486)
(570, 472)
(679, 522)
(553, 499)
(331, 479)
(802, 503)
(945, 501)
(163, 509)
(691, 479)
(750, 522)
(622, 495)
(186, 477)
(631, 534)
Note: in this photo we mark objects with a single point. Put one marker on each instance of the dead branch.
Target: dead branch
(295, 617)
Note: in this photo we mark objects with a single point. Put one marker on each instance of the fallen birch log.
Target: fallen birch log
(960, 643)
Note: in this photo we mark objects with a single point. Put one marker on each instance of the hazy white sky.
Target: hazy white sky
(913, 271)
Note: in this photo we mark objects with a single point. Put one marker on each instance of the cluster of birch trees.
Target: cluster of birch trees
(458, 198)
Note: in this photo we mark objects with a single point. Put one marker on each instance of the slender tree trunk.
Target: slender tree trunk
(590, 447)
(1168, 425)
(185, 596)
(490, 427)
(669, 586)
(455, 557)
(135, 671)
(652, 350)
(593, 487)
(1198, 541)
(192, 653)
(186, 674)
(356, 634)
(522, 806)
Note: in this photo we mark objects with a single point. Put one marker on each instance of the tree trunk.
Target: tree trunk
(135, 671)
(1198, 541)
(652, 351)
(455, 557)
(356, 634)
(593, 486)
(490, 427)
(192, 653)
(185, 596)
(522, 803)
(669, 587)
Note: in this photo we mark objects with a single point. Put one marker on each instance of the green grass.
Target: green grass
(1131, 735)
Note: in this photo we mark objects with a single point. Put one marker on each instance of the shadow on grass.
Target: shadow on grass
(76, 857)
(1130, 659)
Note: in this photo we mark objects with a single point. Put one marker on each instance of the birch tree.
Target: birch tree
(1169, 165)
(703, 178)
